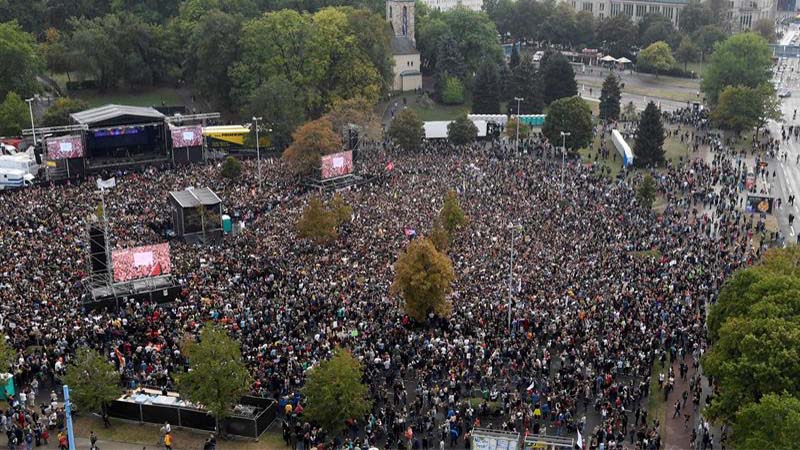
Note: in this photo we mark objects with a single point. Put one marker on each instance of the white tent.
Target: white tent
(624, 60)
(608, 58)
(438, 129)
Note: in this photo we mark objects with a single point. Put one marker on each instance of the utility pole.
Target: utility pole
(30, 101)
(563, 158)
(516, 146)
(258, 152)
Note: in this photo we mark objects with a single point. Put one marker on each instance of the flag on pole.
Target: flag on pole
(579, 444)
(390, 166)
(106, 184)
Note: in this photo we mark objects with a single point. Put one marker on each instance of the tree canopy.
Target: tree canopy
(423, 278)
(570, 115)
(217, 377)
(610, 96)
(93, 382)
(741, 60)
(406, 130)
(558, 79)
(656, 57)
(58, 113)
(21, 62)
(13, 115)
(648, 149)
(486, 95)
(461, 131)
(335, 392)
(309, 143)
(318, 223)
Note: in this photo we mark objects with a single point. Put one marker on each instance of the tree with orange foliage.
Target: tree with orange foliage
(310, 142)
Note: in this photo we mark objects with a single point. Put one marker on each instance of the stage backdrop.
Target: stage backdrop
(337, 164)
(191, 136)
(64, 147)
(140, 262)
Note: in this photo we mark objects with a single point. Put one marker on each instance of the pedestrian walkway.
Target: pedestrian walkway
(678, 431)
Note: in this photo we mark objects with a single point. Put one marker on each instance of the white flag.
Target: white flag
(580, 440)
(106, 184)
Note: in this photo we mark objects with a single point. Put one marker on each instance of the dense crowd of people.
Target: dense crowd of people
(601, 289)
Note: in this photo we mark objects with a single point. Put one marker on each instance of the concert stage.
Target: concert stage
(100, 294)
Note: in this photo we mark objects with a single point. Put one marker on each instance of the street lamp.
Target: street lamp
(516, 145)
(258, 152)
(563, 157)
(30, 108)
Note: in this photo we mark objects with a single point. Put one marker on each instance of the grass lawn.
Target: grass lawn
(612, 165)
(664, 88)
(151, 97)
(438, 112)
(148, 435)
(656, 406)
(674, 150)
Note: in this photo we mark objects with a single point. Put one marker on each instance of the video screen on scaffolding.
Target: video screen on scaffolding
(337, 165)
(141, 262)
(64, 147)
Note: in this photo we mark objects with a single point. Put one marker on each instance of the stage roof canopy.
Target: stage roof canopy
(192, 198)
(111, 115)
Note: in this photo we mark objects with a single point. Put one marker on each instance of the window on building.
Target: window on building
(587, 6)
(641, 10)
(602, 6)
(627, 9)
(602, 15)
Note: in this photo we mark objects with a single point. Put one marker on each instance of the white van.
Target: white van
(14, 179)
(20, 161)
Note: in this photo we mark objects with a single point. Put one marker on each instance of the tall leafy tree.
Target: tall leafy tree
(584, 29)
(515, 59)
(280, 104)
(451, 216)
(335, 392)
(773, 422)
(648, 149)
(687, 52)
(766, 29)
(486, 95)
(8, 356)
(214, 45)
(737, 109)
(742, 60)
(694, 16)
(449, 63)
(20, 60)
(570, 115)
(618, 33)
(706, 37)
(525, 84)
(13, 115)
(55, 53)
(657, 57)
(558, 79)
(646, 192)
(217, 377)
(423, 278)
(406, 130)
(93, 381)
(58, 113)
(317, 223)
(461, 131)
(610, 97)
(310, 142)
(655, 27)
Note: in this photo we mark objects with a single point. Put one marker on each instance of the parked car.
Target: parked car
(784, 94)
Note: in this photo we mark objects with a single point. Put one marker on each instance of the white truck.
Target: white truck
(17, 171)
(14, 179)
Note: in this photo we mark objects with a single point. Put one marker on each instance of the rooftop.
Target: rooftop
(108, 112)
(192, 198)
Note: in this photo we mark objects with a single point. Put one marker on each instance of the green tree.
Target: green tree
(310, 142)
(335, 392)
(646, 193)
(318, 223)
(20, 60)
(449, 65)
(737, 109)
(687, 52)
(214, 48)
(706, 38)
(769, 105)
(231, 168)
(648, 149)
(423, 278)
(694, 16)
(558, 79)
(618, 33)
(571, 115)
(280, 104)
(525, 84)
(217, 377)
(8, 356)
(584, 29)
(452, 91)
(93, 382)
(656, 57)
(486, 95)
(742, 60)
(13, 115)
(439, 237)
(451, 216)
(406, 130)
(59, 112)
(654, 27)
(55, 53)
(766, 29)
(461, 131)
(340, 209)
(773, 422)
(610, 96)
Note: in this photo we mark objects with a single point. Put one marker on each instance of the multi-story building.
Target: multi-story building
(635, 9)
(742, 14)
(444, 5)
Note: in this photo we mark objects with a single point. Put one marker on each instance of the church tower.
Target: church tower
(400, 14)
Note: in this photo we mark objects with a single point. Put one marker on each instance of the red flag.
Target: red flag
(389, 166)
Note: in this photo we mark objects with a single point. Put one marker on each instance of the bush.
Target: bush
(231, 168)
(453, 92)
